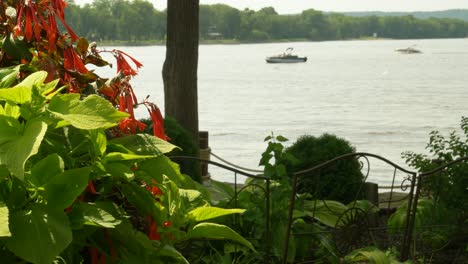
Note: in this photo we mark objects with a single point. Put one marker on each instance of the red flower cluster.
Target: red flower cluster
(122, 64)
(158, 121)
(35, 17)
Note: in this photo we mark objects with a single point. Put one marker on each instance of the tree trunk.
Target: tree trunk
(181, 64)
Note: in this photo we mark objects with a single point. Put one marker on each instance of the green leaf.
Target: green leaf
(17, 149)
(216, 231)
(93, 112)
(39, 234)
(171, 252)
(140, 198)
(368, 255)
(36, 78)
(99, 141)
(326, 212)
(16, 95)
(15, 47)
(281, 138)
(205, 213)
(145, 144)
(62, 190)
(162, 165)
(12, 110)
(46, 169)
(8, 76)
(120, 170)
(95, 215)
(4, 229)
(117, 156)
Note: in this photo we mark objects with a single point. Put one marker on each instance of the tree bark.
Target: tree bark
(181, 64)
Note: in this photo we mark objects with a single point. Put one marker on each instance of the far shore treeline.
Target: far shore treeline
(138, 21)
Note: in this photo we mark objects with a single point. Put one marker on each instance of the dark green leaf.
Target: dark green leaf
(39, 234)
(46, 169)
(63, 189)
(216, 231)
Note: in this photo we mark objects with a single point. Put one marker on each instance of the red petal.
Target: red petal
(28, 25)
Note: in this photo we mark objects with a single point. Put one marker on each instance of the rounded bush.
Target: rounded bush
(341, 181)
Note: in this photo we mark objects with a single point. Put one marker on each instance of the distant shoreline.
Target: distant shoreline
(219, 42)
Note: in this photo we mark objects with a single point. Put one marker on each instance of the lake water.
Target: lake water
(381, 101)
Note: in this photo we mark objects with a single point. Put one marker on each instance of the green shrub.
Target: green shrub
(340, 181)
(180, 137)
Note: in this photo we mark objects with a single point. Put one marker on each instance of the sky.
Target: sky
(296, 6)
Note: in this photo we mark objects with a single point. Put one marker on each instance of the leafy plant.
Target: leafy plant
(372, 255)
(448, 186)
(187, 146)
(66, 187)
(340, 181)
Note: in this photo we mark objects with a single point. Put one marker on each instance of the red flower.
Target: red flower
(129, 125)
(122, 64)
(72, 62)
(153, 230)
(158, 121)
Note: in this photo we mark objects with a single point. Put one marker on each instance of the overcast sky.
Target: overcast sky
(296, 6)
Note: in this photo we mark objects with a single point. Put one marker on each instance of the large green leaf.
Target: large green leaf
(119, 170)
(162, 165)
(8, 76)
(368, 255)
(16, 95)
(36, 78)
(99, 141)
(326, 212)
(216, 231)
(39, 234)
(10, 129)
(63, 189)
(22, 92)
(96, 214)
(93, 112)
(117, 156)
(140, 198)
(12, 110)
(4, 229)
(17, 149)
(46, 169)
(134, 246)
(145, 144)
(205, 213)
(173, 254)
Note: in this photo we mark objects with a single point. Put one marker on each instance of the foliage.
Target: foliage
(312, 219)
(444, 201)
(104, 20)
(372, 255)
(76, 184)
(74, 189)
(448, 186)
(340, 181)
(180, 137)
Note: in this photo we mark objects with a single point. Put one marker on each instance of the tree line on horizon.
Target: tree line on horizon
(138, 20)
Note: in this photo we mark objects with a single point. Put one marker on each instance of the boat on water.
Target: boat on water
(409, 50)
(286, 57)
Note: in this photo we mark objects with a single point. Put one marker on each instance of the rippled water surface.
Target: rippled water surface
(381, 101)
